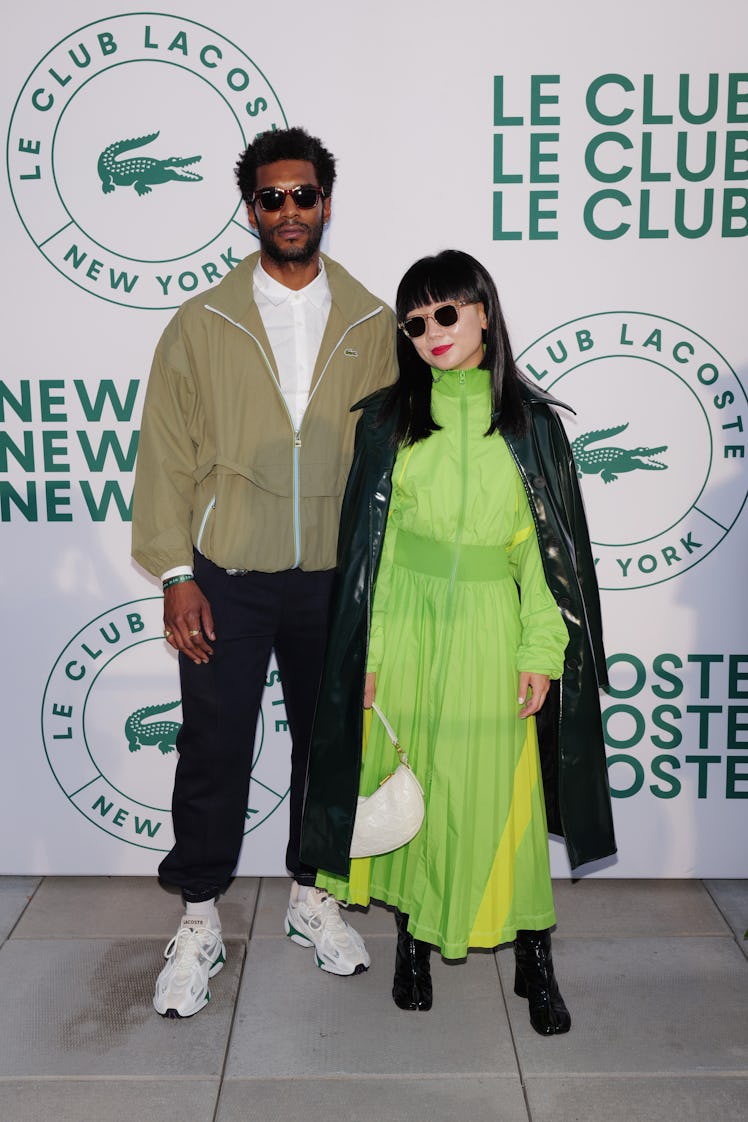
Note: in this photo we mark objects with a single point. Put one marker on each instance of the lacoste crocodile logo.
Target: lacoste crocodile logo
(611, 462)
(142, 172)
(158, 734)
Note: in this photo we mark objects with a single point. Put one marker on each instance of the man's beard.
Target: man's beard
(299, 254)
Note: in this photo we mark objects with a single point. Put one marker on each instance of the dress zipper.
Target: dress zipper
(464, 481)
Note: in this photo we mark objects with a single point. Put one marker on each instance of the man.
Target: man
(245, 446)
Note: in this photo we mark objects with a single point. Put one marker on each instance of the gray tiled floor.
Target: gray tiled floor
(654, 972)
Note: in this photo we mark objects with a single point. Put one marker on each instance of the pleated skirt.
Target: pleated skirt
(478, 870)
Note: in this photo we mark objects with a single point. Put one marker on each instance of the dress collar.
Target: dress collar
(454, 382)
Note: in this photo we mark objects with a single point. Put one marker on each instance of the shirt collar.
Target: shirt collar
(317, 291)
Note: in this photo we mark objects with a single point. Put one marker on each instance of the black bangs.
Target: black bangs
(451, 277)
(448, 277)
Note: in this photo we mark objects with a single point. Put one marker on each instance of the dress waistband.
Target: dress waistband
(437, 559)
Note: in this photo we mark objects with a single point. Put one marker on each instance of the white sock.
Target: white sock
(205, 908)
(301, 891)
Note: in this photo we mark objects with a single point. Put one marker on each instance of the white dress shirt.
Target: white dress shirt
(295, 322)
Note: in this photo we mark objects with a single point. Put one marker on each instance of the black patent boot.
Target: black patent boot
(411, 988)
(535, 980)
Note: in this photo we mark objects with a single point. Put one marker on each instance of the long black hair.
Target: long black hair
(451, 276)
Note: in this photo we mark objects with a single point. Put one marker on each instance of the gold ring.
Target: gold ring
(193, 633)
(167, 634)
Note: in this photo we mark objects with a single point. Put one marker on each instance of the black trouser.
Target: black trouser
(253, 614)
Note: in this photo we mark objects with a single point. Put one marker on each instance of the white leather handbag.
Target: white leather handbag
(393, 814)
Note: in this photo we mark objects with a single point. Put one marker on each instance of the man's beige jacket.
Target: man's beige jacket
(220, 467)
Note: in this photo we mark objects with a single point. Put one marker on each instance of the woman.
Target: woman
(457, 619)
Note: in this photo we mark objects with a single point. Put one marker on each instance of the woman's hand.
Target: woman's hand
(370, 689)
(532, 692)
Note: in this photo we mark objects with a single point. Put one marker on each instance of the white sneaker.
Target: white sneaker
(195, 954)
(316, 921)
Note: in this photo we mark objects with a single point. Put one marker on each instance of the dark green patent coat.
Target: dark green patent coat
(572, 751)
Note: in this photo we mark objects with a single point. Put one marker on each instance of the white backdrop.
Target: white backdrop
(594, 158)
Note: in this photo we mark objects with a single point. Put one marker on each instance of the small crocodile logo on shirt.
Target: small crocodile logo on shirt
(142, 172)
(610, 462)
(157, 734)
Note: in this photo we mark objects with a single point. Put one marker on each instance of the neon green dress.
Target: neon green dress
(449, 636)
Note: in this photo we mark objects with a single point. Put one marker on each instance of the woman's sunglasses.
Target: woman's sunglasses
(273, 198)
(446, 316)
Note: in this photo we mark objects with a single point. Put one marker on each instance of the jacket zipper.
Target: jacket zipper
(296, 451)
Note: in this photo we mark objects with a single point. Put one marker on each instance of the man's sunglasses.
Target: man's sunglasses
(446, 316)
(273, 198)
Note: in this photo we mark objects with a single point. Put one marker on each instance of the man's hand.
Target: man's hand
(532, 692)
(370, 689)
(188, 621)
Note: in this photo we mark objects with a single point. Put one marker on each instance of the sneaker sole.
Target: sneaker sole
(175, 1015)
(359, 968)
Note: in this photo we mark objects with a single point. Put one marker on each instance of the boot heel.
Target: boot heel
(520, 985)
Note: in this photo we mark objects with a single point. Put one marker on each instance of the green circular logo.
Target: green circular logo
(110, 716)
(120, 153)
(658, 439)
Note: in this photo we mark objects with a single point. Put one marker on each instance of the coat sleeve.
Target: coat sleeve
(335, 749)
(544, 634)
(380, 602)
(570, 729)
(164, 477)
(335, 754)
(576, 520)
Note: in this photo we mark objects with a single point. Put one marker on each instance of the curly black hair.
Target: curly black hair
(284, 144)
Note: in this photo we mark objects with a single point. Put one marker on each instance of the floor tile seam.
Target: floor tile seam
(505, 987)
(602, 936)
(253, 918)
(739, 935)
(680, 1073)
(728, 936)
(111, 1078)
(378, 939)
(715, 937)
(715, 903)
(127, 939)
(373, 1076)
(235, 1010)
(560, 937)
(27, 905)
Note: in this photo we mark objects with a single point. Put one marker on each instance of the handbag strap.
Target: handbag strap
(392, 734)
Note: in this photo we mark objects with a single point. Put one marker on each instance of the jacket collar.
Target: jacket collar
(533, 395)
(234, 296)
